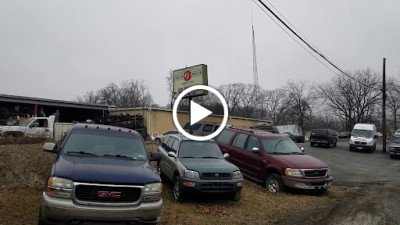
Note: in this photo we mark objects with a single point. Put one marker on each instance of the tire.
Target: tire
(392, 156)
(329, 144)
(179, 195)
(237, 195)
(157, 141)
(273, 183)
(351, 149)
(312, 144)
(40, 219)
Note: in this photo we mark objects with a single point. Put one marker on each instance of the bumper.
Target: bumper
(211, 186)
(64, 211)
(394, 153)
(319, 141)
(307, 184)
(361, 147)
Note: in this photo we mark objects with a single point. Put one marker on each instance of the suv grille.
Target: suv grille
(358, 142)
(107, 194)
(315, 173)
(216, 175)
(217, 187)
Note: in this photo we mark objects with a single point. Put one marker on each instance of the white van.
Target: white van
(363, 137)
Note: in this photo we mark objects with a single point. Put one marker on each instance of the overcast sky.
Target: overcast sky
(61, 49)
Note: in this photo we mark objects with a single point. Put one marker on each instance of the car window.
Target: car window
(175, 146)
(207, 127)
(105, 144)
(170, 142)
(280, 146)
(199, 149)
(216, 127)
(240, 140)
(225, 136)
(196, 126)
(253, 143)
(166, 140)
(171, 132)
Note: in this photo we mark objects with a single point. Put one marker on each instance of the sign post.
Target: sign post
(188, 77)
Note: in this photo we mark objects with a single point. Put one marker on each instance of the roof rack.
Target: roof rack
(243, 129)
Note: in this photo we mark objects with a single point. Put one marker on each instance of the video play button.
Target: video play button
(198, 112)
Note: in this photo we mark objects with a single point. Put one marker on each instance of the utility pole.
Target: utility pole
(384, 106)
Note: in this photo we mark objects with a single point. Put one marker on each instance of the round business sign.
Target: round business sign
(187, 75)
(175, 116)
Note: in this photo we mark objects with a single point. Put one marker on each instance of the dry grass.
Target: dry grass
(24, 168)
(10, 140)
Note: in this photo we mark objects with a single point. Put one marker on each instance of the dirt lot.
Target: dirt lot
(24, 168)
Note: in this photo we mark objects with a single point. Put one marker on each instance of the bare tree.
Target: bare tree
(393, 99)
(232, 94)
(352, 99)
(300, 97)
(276, 105)
(170, 88)
(89, 97)
(249, 99)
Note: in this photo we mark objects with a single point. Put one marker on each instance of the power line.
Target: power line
(309, 45)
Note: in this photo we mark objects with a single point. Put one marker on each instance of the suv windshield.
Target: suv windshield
(362, 133)
(396, 140)
(199, 149)
(105, 144)
(280, 146)
(319, 132)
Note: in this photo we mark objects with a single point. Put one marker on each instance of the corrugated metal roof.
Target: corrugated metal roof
(52, 102)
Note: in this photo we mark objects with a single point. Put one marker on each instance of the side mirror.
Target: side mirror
(255, 150)
(50, 147)
(172, 154)
(302, 149)
(155, 157)
(226, 155)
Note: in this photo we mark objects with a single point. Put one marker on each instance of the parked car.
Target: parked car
(160, 139)
(198, 166)
(297, 138)
(271, 129)
(344, 134)
(363, 137)
(397, 132)
(101, 174)
(201, 128)
(274, 160)
(394, 147)
(32, 127)
(325, 137)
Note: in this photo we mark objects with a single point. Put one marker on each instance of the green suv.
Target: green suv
(198, 166)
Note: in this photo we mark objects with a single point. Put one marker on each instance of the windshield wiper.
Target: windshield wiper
(297, 153)
(279, 142)
(119, 156)
(83, 153)
(210, 157)
(279, 153)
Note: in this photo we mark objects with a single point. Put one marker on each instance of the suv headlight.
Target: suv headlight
(152, 192)
(328, 172)
(192, 174)
(293, 172)
(59, 187)
(391, 148)
(237, 175)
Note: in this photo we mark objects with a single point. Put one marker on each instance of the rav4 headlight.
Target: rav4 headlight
(59, 187)
(237, 175)
(328, 173)
(293, 172)
(192, 174)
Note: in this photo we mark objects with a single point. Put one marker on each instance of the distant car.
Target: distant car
(378, 134)
(394, 147)
(326, 137)
(397, 132)
(344, 134)
(271, 129)
(297, 138)
(159, 139)
(198, 167)
(201, 128)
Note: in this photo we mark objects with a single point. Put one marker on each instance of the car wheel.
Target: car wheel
(312, 144)
(392, 156)
(237, 195)
(178, 192)
(351, 149)
(40, 219)
(274, 183)
(157, 141)
(329, 144)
